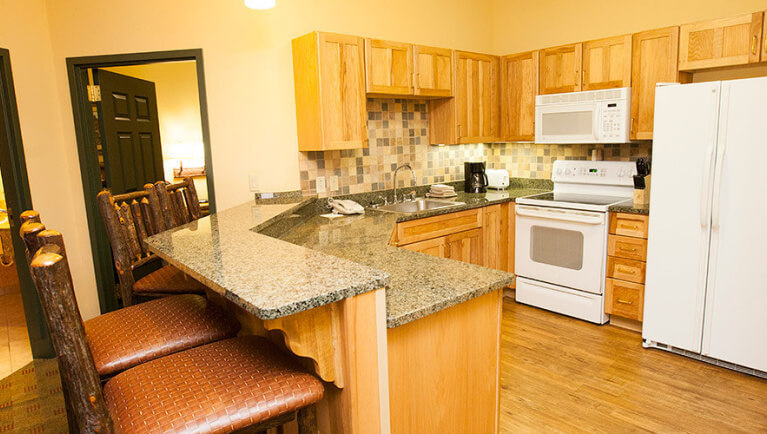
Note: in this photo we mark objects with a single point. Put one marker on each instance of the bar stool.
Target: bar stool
(130, 336)
(130, 218)
(221, 387)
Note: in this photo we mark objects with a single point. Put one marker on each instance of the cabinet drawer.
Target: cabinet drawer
(437, 226)
(627, 247)
(624, 299)
(625, 269)
(630, 225)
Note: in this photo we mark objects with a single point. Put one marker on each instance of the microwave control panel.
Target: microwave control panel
(615, 119)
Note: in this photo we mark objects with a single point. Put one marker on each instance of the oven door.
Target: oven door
(561, 246)
(567, 123)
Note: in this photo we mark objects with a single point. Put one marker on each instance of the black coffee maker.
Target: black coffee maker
(475, 179)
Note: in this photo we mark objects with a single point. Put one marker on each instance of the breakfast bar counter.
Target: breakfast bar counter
(384, 327)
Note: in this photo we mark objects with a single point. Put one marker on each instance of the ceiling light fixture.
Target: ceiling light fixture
(260, 4)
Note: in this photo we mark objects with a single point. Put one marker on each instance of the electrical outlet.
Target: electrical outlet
(333, 183)
(253, 182)
(320, 184)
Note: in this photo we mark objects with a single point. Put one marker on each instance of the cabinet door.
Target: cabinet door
(519, 87)
(389, 67)
(495, 231)
(433, 71)
(476, 97)
(344, 112)
(561, 69)
(510, 248)
(465, 246)
(607, 63)
(328, 75)
(724, 42)
(654, 60)
(764, 39)
(434, 247)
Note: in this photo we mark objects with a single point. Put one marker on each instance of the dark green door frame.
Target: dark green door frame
(77, 69)
(14, 169)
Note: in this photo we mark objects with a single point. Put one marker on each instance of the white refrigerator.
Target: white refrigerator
(706, 282)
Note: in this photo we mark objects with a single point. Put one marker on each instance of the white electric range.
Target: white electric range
(561, 237)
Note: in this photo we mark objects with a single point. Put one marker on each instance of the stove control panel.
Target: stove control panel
(594, 172)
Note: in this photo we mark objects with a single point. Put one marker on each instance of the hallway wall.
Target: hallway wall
(52, 166)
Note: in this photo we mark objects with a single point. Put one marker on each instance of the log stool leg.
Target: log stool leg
(307, 420)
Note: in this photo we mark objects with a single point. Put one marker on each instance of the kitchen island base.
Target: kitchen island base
(437, 374)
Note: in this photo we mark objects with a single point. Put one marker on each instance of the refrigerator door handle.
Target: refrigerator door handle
(705, 184)
(718, 186)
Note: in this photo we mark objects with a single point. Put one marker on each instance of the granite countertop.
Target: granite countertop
(313, 260)
(267, 277)
(629, 208)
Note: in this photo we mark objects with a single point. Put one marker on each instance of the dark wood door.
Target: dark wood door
(130, 131)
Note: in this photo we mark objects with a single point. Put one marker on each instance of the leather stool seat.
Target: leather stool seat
(167, 280)
(215, 388)
(136, 334)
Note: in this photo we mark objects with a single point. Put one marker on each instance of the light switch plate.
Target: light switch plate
(333, 183)
(253, 182)
(320, 184)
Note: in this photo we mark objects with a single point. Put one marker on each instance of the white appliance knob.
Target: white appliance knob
(567, 171)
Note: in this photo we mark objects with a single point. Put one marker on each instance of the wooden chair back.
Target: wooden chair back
(86, 408)
(178, 202)
(132, 217)
(129, 219)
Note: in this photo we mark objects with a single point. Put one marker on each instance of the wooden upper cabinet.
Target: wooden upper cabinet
(607, 63)
(477, 100)
(561, 69)
(433, 71)
(655, 60)
(389, 67)
(764, 39)
(723, 42)
(328, 76)
(519, 87)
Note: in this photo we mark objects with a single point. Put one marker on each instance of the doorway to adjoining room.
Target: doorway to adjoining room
(139, 119)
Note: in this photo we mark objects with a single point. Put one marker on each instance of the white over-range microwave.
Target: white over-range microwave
(597, 116)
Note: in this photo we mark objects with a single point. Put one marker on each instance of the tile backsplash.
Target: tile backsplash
(398, 134)
(530, 160)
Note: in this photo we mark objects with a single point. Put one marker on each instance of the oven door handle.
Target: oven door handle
(561, 215)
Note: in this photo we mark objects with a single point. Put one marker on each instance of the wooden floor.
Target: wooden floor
(560, 374)
(15, 351)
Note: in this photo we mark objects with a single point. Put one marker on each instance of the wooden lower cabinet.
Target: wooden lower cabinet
(495, 236)
(626, 265)
(627, 247)
(434, 247)
(483, 236)
(443, 370)
(465, 246)
(625, 299)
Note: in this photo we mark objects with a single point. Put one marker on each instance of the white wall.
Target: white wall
(52, 162)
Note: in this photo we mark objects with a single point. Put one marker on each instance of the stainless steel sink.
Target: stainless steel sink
(417, 205)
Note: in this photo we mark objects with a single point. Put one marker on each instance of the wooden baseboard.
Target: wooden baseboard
(626, 323)
(510, 293)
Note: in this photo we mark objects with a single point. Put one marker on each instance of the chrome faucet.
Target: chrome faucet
(412, 172)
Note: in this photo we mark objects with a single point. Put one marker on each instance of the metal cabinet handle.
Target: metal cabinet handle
(621, 301)
(626, 249)
(754, 44)
(625, 270)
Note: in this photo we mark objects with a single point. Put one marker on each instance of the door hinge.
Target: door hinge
(94, 93)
